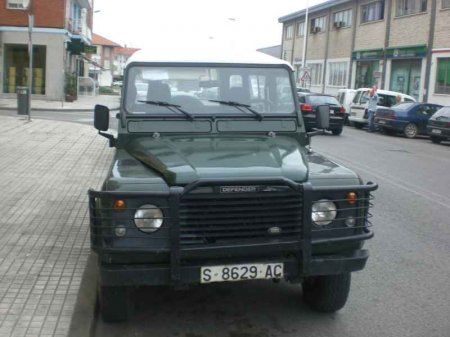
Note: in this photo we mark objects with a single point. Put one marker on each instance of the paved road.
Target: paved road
(404, 291)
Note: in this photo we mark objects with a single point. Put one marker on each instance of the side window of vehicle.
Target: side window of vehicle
(364, 98)
(431, 110)
(302, 99)
(357, 97)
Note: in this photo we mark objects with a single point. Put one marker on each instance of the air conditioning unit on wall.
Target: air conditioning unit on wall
(17, 4)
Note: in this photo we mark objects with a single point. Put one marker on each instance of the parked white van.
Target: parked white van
(345, 97)
(358, 108)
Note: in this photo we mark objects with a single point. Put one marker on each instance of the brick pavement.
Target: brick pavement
(46, 168)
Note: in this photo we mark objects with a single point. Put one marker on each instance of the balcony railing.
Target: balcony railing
(79, 27)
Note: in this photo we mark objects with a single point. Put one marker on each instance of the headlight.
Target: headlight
(323, 212)
(148, 218)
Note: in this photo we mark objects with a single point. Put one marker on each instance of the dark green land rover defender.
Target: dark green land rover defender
(213, 181)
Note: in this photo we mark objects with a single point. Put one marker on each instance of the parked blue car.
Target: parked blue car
(409, 118)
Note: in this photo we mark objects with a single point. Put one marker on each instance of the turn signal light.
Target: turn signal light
(352, 198)
(342, 110)
(119, 205)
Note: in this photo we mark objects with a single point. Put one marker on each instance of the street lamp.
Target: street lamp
(27, 6)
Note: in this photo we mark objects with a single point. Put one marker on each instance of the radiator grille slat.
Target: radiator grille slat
(223, 218)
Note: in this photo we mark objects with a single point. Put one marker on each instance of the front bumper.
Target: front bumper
(438, 132)
(152, 275)
(312, 251)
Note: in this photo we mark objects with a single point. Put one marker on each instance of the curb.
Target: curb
(83, 318)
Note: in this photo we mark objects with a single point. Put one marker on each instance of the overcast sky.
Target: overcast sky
(148, 24)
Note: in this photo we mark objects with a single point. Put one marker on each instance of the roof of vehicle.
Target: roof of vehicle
(314, 94)
(201, 55)
(386, 92)
(347, 90)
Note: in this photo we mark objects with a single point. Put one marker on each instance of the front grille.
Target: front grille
(214, 218)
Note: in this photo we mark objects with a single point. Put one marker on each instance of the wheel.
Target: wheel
(337, 132)
(358, 125)
(436, 140)
(327, 293)
(115, 304)
(411, 130)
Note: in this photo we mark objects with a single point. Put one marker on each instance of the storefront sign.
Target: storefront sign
(373, 54)
(76, 48)
(407, 52)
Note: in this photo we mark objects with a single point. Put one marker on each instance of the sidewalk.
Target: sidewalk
(82, 104)
(46, 168)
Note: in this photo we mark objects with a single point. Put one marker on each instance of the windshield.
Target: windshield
(443, 113)
(200, 90)
(317, 100)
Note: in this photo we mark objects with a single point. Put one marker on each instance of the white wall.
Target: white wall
(433, 97)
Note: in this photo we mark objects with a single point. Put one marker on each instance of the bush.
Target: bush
(107, 91)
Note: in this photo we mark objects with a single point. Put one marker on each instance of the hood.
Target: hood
(183, 159)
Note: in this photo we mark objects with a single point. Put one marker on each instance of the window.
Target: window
(342, 19)
(443, 76)
(316, 73)
(16, 68)
(373, 11)
(445, 4)
(15, 4)
(318, 24)
(386, 100)
(289, 32)
(406, 7)
(337, 74)
(301, 29)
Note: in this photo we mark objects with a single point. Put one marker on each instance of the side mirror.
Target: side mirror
(323, 117)
(101, 117)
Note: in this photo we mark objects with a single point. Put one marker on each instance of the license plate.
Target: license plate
(382, 121)
(241, 272)
(436, 131)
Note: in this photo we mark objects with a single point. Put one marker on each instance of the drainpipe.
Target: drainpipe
(293, 42)
(430, 50)
(352, 49)
(387, 10)
(326, 51)
(305, 35)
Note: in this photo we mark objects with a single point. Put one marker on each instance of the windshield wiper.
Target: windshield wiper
(169, 106)
(238, 106)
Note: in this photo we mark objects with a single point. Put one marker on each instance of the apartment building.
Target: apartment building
(102, 66)
(121, 56)
(400, 45)
(61, 36)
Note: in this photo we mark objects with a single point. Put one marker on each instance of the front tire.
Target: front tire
(327, 293)
(115, 303)
(411, 130)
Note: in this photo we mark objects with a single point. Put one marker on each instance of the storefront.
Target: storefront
(367, 65)
(406, 64)
(16, 63)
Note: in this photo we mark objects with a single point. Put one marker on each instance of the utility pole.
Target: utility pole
(305, 36)
(30, 56)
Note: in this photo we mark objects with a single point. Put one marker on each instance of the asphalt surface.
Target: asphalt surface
(404, 290)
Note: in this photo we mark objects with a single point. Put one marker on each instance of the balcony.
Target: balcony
(88, 4)
(80, 27)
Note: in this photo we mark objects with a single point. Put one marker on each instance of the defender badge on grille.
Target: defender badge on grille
(238, 189)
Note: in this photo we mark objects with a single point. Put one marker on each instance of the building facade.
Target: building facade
(101, 68)
(399, 45)
(61, 38)
(121, 56)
